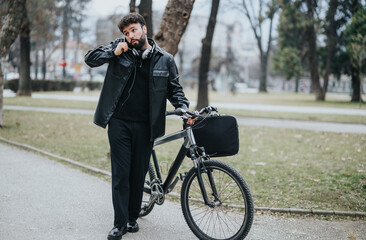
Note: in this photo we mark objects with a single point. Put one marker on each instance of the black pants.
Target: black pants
(130, 153)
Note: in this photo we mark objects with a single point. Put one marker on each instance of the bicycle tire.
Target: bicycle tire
(233, 218)
(146, 198)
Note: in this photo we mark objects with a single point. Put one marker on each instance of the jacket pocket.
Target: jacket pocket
(160, 79)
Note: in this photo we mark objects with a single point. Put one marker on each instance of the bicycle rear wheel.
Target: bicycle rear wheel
(231, 217)
(146, 205)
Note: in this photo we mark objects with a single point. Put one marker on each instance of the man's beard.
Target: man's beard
(141, 42)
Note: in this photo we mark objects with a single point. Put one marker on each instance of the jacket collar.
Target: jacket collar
(155, 46)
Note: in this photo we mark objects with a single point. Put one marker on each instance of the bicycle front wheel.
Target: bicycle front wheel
(232, 215)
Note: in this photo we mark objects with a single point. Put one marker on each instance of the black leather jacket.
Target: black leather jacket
(163, 84)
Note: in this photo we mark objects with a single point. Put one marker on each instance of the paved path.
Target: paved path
(267, 122)
(304, 125)
(243, 106)
(43, 199)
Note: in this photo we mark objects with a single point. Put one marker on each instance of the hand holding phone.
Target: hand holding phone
(121, 47)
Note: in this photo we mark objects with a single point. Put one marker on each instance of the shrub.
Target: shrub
(52, 85)
(12, 85)
(94, 85)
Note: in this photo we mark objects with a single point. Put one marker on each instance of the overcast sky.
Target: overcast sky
(103, 8)
(107, 7)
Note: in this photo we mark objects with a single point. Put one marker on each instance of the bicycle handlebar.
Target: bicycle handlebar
(182, 112)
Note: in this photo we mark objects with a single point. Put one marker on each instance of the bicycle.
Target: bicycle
(215, 199)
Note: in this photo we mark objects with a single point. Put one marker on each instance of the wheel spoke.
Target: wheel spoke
(225, 220)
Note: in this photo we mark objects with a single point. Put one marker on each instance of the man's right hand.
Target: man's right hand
(121, 47)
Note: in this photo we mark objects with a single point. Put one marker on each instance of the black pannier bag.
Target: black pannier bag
(218, 134)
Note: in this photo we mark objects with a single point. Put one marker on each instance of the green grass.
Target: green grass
(36, 102)
(337, 101)
(352, 119)
(283, 98)
(283, 167)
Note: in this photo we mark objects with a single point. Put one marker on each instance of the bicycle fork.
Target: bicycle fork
(216, 202)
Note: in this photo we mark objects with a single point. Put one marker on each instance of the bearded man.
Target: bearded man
(140, 77)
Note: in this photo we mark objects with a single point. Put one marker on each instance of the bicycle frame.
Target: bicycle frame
(189, 144)
(179, 158)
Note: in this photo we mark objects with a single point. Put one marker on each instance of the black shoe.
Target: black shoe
(132, 227)
(116, 233)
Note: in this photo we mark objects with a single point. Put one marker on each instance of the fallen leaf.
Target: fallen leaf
(41, 136)
(252, 172)
(260, 164)
(314, 179)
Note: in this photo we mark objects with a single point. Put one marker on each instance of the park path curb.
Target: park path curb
(261, 209)
(70, 161)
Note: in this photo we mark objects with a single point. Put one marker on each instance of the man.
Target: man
(140, 78)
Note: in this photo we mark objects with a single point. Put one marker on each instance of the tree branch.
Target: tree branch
(259, 38)
(270, 37)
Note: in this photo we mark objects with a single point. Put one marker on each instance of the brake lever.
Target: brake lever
(188, 114)
(213, 109)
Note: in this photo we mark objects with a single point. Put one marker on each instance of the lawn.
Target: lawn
(272, 98)
(56, 103)
(281, 98)
(283, 167)
(291, 99)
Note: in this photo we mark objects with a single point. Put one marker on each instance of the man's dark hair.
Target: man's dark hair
(131, 18)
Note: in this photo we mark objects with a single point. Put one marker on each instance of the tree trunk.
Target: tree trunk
(145, 9)
(263, 73)
(356, 90)
(313, 56)
(297, 82)
(181, 63)
(1, 98)
(65, 34)
(331, 43)
(174, 23)
(36, 61)
(77, 37)
(8, 33)
(44, 64)
(25, 87)
(205, 58)
(132, 6)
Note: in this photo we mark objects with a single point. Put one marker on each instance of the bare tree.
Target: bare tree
(145, 9)
(66, 12)
(331, 31)
(256, 23)
(71, 15)
(43, 17)
(8, 33)
(312, 51)
(133, 6)
(174, 22)
(25, 87)
(206, 57)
